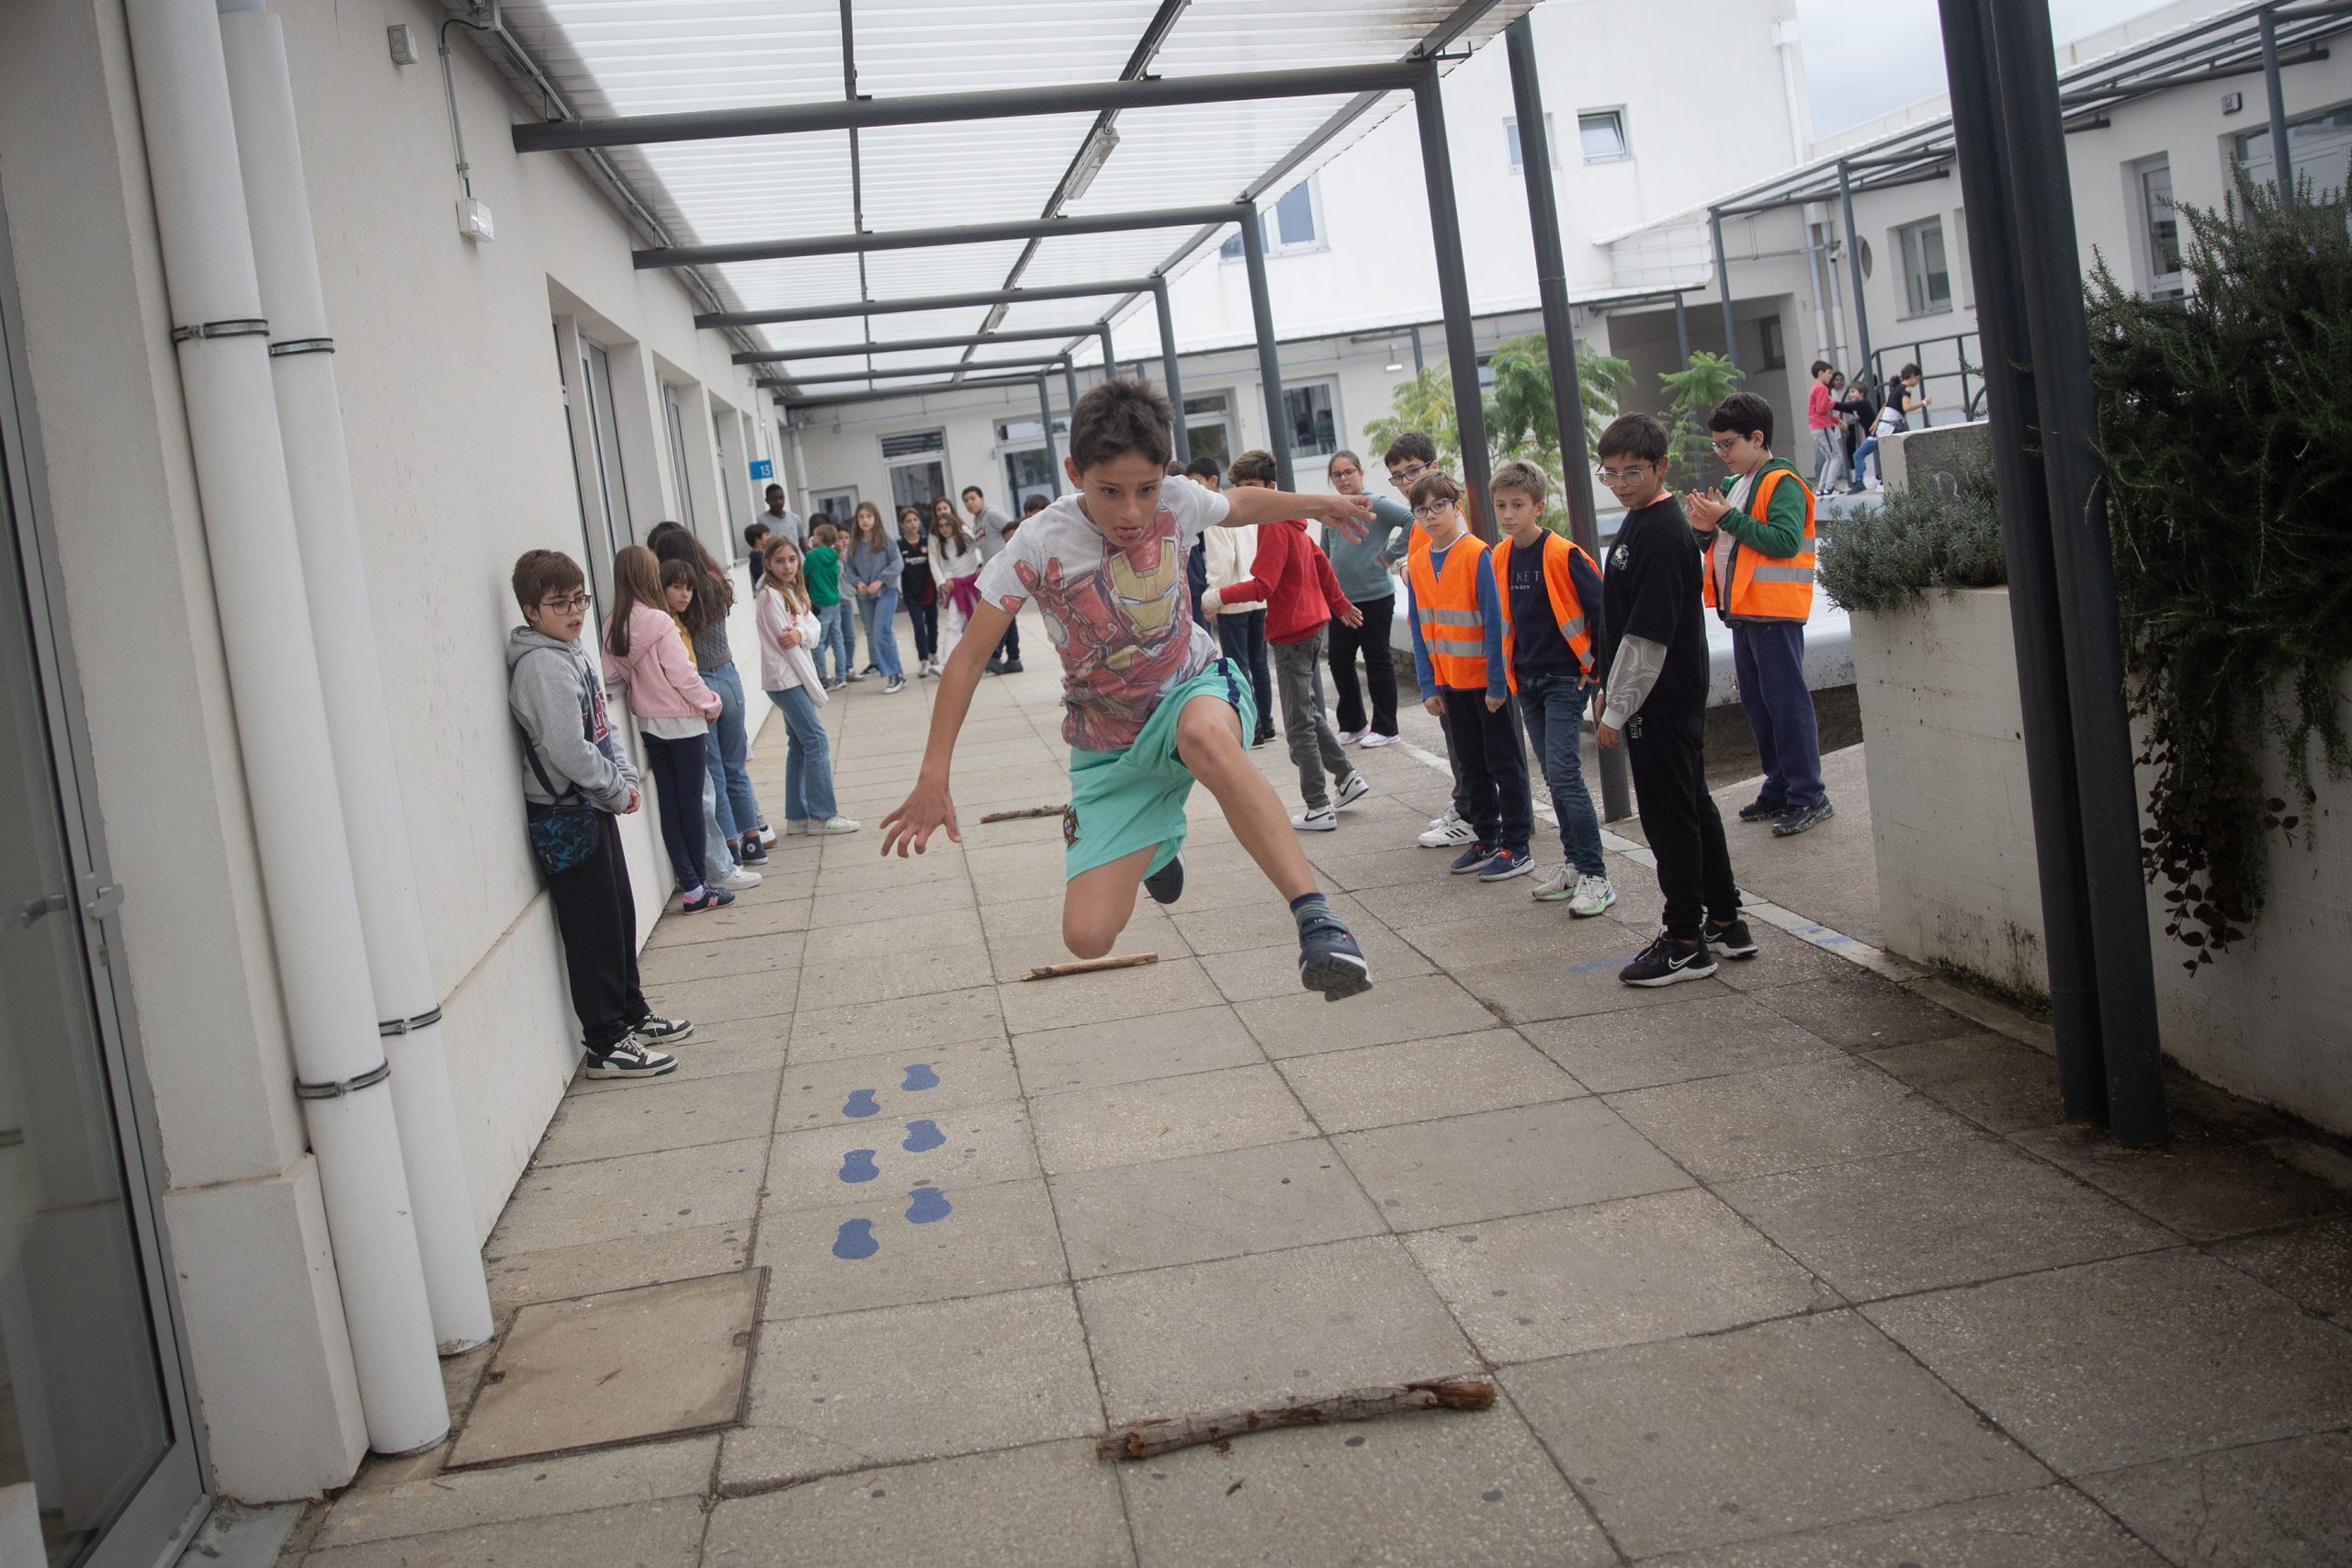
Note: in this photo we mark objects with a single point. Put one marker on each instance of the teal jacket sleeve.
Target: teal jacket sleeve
(1398, 519)
(1781, 534)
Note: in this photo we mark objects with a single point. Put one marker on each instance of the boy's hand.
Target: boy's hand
(1346, 514)
(922, 813)
(1495, 705)
(1212, 601)
(1607, 738)
(1352, 617)
(635, 800)
(1436, 709)
(1705, 508)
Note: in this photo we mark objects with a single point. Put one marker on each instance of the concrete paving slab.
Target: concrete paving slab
(838, 941)
(1525, 931)
(1422, 1008)
(1779, 960)
(2310, 1265)
(988, 1239)
(1926, 1219)
(1457, 1490)
(618, 1265)
(1028, 935)
(1860, 1011)
(882, 975)
(1698, 1037)
(734, 922)
(1267, 1329)
(751, 1047)
(617, 1368)
(1051, 1506)
(1498, 1163)
(2204, 1184)
(1618, 1273)
(1786, 1119)
(1096, 1056)
(2281, 1505)
(1169, 985)
(946, 1018)
(845, 1392)
(1528, 993)
(977, 1146)
(2124, 1362)
(1760, 1432)
(662, 1113)
(1273, 971)
(1255, 924)
(658, 968)
(2052, 1527)
(666, 1533)
(1994, 1082)
(887, 901)
(607, 1200)
(1418, 1080)
(566, 1483)
(1382, 866)
(915, 1078)
(1156, 1119)
(1266, 1199)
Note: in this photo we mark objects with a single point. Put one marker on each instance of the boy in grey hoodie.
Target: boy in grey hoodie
(572, 759)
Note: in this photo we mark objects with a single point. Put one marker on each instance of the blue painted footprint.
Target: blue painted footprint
(861, 1103)
(929, 1203)
(922, 1135)
(855, 1240)
(858, 1166)
(920, 1076)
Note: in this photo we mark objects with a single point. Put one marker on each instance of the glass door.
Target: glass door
(93, 1415)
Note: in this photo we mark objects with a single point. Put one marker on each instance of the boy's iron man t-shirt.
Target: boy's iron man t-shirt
(1121, 620)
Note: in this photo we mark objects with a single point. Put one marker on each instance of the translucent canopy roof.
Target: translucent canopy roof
(623, 58)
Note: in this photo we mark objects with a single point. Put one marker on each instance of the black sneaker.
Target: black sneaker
(662, 1031)
(709, 898)
(1330, 962)
(1473, 858)
(1165, 884)
(1804, 819)
(1731, 939)
(630, 1060)
(1667, 962)
(1761, 807)
(750, 850)
(1012, 666)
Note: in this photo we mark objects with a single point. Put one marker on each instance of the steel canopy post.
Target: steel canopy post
(1069, 381)
(1559, 342)
(1854, 265)
(1045, 421)
(1722, 282)
(1175, 388)
(2041, 201)
(1454, 293)
(2043, 706)
(1682, 329)
(1110, 359)
(1270, 359)
(2282, 165)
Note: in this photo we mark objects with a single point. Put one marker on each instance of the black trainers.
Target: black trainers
(630, 1060)
(1165, 884)
(1731, 939)
(1329, 961)
(1761, 807)
(1667, 962)
(1804, 819)
(662, 1031)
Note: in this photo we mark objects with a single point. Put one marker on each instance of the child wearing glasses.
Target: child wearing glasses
(1409, 456)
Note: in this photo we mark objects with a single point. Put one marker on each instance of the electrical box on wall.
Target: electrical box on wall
(473, 219)
(402, 39)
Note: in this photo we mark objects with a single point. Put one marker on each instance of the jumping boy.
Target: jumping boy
(1458, 656)
(1654, 644)
(1550, 594)
(572, 759)
(1759, 580)
(1150, 706)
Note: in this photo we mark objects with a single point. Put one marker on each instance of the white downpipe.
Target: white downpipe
(281, 713)
(318, 470)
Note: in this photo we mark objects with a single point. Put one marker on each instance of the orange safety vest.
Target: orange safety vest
(1567, 610)
(1763, 587)
(1446, 609)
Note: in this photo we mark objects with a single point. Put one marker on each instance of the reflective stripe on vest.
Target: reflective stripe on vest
(1566, 609)
(1767, 588)
(1446, 609)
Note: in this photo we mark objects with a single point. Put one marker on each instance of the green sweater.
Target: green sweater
(1779, 533)
(824, 568)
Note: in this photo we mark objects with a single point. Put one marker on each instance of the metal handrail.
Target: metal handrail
(1965, 349)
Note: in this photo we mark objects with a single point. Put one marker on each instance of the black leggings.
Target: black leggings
(1379, 668)
(676, 769)
(926, 623)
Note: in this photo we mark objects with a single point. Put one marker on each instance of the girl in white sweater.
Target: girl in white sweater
(789, 629)
(956, 568)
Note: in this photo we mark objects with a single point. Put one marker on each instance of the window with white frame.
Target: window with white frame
(1208, 422)
(835, 506)
(604, 433)
(674, 423)
(1021, 443)
(1293, 225)
(2319, 149)
(1518, 157)
(1311, 415)
(1926, 278)
(1600, 135)
(2159, 228)
(917, 464)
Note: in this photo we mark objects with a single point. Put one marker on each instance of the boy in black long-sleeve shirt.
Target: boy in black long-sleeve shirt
(1655, 648)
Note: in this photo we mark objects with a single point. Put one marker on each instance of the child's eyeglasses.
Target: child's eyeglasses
(1622, 476)
(1403, 478)
(1433, 509)
(1725, 443)
(565, 606)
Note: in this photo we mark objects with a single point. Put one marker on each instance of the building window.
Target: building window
(1209, 421)
(1293, 225)
(2319, 149)
(1776, 347)
(1027, 472)
(605, 431)
(1510, 143)
(673, 419)
(835, 506)
(1600, 134)
(1927, 280)
(1311, 412)
(2160, 228)
(917, 462)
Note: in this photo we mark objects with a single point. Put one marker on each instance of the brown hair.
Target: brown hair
(1410, 448)
(915, 513)
(1435, 485)
(538, 573)
(824, 534)
(791, 589)
(1743, 414)
(857, 525)
(1635, 436)
(1253, 467)
(636, 580)
(1522, 476)
(964, 540)
(714, 590)
(1120, 418)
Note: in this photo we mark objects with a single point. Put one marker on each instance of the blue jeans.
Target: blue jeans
(808, 763)
(738, 810)
(1768, 659)
(835, 631)
(1551, 707)
(880, 615)
(1862, 455)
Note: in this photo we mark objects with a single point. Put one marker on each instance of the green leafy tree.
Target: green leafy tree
(1692, 393)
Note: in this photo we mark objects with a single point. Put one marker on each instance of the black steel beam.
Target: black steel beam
(1175, 387)
(960, 370)
(1270, 359)
(1833, 193)
(941, 108)
(1454, 294)
(883, 394)
(2076, 97)
(1723, 283)
(1854, 271)
(925, 238)
(925, 302)
(961, 340)
(1046, 421)
(2282, 171)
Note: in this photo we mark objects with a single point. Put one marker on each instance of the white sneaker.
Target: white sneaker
(1374, 737)
(1594, 895)
(1353, 788)
(833, 825)
(767, 836)
(1350, 737)
(1446, 832)
(1554, 884)
(739, 879)
(1322, 820)
(797, 826)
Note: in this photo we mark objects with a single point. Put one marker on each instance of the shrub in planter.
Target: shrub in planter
(1944, 533)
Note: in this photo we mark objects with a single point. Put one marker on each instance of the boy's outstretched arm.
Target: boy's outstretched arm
(928, 806)
(1246, 505)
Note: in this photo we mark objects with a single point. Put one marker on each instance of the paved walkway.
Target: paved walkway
(1787, 1266)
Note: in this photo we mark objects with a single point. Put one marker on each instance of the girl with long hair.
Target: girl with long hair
(955, 566)
(789, 630)
(873, 564)
(742, 826)
(919, 591)
(645, 654)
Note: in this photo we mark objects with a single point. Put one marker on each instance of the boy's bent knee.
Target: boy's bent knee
(1088, 938)
(1206, 732)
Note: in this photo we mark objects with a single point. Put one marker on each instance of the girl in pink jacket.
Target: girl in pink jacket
(645, 656)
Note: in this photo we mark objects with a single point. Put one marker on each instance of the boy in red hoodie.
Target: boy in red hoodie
(1294, 577)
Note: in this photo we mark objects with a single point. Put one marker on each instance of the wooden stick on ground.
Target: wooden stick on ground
(1089, 966)
(1146, 1439)
(1023, 812)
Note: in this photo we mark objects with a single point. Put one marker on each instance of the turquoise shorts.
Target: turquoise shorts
(1123, 801)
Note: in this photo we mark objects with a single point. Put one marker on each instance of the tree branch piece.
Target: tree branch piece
(1166, 1435)
(1089, 966)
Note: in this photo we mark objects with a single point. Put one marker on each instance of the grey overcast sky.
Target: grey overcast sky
(1866, 57)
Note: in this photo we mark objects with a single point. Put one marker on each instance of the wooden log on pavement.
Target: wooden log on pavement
(1167, 1433)
(1025, 811)
(1089, 966)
